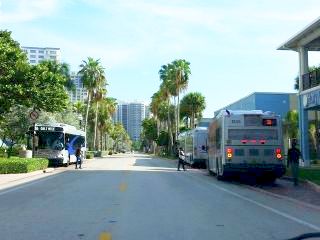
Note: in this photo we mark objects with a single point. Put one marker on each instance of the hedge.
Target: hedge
(89, 155)
(22, 165)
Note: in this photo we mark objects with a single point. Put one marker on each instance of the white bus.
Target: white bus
(248, 142)
(57, 142)
(194, 143)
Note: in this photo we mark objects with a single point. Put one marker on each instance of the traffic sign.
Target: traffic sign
(34, 115)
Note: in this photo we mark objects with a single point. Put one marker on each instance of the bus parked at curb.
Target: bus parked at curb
(57, 142)
(246, 142)
(194, 143)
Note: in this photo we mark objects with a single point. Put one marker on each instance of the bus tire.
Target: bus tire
(67, 163)
(219, 177)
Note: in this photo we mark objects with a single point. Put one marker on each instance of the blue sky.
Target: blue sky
(230, 44)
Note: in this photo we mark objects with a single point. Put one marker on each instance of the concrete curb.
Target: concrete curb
(48, 170)
(314, 186)
(309, 205)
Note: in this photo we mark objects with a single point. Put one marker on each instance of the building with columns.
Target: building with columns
(309, 82)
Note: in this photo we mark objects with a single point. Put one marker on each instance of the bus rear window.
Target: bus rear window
(239, 152)
(252, 134)
(253, 152)
(268, 152)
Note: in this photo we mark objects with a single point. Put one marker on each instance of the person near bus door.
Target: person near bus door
(293, 160)
(78, 156)
(181, 159)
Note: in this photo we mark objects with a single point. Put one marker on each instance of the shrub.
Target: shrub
(89, 155)
(3, 152)
(97, 154)
(22, 165)
(110, 153)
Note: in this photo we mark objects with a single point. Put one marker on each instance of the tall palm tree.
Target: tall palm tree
(93, 77)
(181, 71)
(165, 93)
(108, 107)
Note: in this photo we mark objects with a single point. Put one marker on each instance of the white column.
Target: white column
(303, 114)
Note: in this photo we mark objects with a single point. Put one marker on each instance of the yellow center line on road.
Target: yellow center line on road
(123, 187)
(105, 236)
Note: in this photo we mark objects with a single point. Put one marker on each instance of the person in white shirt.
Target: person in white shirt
(181, 159)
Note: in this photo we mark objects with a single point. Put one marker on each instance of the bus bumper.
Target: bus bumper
(277, 170)
(55, 161)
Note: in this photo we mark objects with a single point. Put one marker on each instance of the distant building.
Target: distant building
(79, 94)
(279, 103)
(37, 54)
(204, 122)
(131, 115)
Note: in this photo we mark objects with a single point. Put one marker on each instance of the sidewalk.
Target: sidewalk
(304, 192)
(11, 180)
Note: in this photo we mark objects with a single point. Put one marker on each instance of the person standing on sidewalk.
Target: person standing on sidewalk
(181, 159)
(78, 156)
(293, 160)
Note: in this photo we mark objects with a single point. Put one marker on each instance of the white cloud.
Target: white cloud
(15, 11)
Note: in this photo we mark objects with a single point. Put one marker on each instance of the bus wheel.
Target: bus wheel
(219, 177)
(67, 164)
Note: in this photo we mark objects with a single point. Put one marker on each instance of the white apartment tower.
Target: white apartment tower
(79, 94)
(131, 116)
(36, 54)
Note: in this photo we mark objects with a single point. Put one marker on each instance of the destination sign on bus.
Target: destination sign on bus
(269, 122)
(47, 128)
(44, 128)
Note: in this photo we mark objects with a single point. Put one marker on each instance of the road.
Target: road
(137, 197)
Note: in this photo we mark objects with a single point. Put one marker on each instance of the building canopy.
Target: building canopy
(308, 38)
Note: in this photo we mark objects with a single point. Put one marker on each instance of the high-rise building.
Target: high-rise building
(36, 54)
(79, 94)
(131, 116)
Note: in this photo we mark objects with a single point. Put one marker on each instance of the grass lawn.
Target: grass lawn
(308, 173)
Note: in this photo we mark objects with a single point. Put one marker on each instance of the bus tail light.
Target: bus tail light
(278, 153)
(229, 152)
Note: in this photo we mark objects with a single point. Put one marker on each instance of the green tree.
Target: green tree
(192, 106)
(107, 108)
(181, 71)
(93, 77)
(38, 86)
(166, 88)
(119, 135)
(13, 67)
(149, 130)
(15, 126)
(291, 124)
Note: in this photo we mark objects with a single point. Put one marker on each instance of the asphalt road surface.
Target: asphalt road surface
(137, 197)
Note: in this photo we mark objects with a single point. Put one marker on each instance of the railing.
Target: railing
(311, 79)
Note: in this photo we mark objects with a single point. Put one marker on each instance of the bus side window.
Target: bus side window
(218, 137)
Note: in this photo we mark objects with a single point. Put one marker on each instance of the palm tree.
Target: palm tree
(165, 93)
(108, 107)
(93, 77)
(98, 96)
(291, 124)
(193, 105)
(181, 71)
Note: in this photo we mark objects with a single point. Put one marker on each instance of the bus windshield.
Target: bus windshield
(252, 134)
(50, 140)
